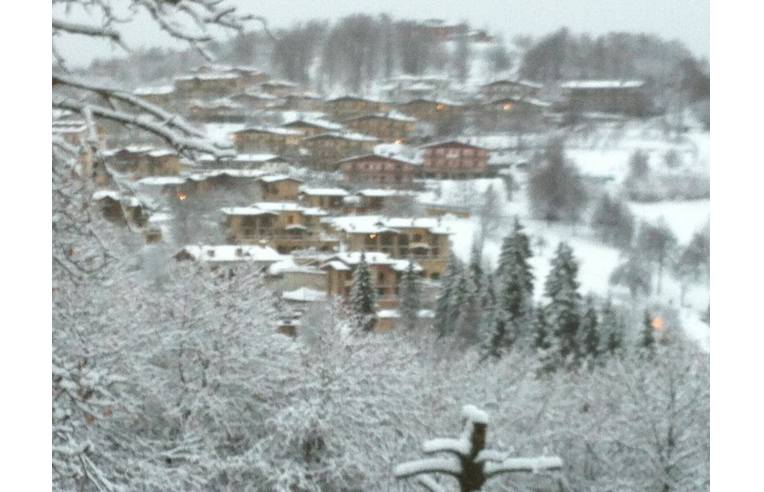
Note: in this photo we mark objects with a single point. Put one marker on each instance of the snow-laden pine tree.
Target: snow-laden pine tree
(476, 266)
(410, 297)
(590, 333)
(363, 298)
(469, 311)
(646, 340)
(447, 297)
(513, 307)
(542, 341)
(563, 310)
(612, 328)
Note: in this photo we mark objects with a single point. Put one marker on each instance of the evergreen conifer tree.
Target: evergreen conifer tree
(612, 328)
(514, 295)
(647, 338)
(476, 266)
(590, 331)
(444, 323)
(410, 297)
(563, 309)
(468, 311)
(362, 296)
(542, 341)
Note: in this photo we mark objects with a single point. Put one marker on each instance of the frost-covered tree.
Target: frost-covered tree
(613, 222)
(612, 328)
(647, 333)
(590, 332)
(469, 310)
(410, 297)
(555, 188)
(639, 166)
(657, 243)
(563, 310)
(475, 267)
(634, 274)
(447, 297)
(693, 262)
(661, 426)
(191, 22)
(512, 310)
(542, 341)
(363, 298)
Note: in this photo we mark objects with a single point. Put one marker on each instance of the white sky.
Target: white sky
(686, 20)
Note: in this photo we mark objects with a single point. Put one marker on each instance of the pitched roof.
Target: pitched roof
(602, 84)
(324, 191)
(372, 224)
(350, 259)
(232, 252)
(358, 137)
(450, 143)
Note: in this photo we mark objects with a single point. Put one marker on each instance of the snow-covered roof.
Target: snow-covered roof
(372, 224)
(208, 76)
(379, 192)
(255, 95)
(290, 207)
(347, 97)
(447, 102)
(449, 142)
(241, 158)
(358, 137)
(279, 177)
(521, 100)
(324, 191)
(326, 125)
(347, 260)
(162, 180)
(161, 153)
(288, 265)
(146, 91)
(281, 83)
(246, 211)
(232, 252)
(234, 173)
(524, 83)
(304, 294)
(392, 115)
(376, 155)
(602, 84)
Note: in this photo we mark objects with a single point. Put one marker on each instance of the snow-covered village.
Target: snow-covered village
(377, 252)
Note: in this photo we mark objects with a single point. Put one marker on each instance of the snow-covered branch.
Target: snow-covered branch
(169, 119)
(449, 466)
(88, 30)
(144, 122)
(526, 465)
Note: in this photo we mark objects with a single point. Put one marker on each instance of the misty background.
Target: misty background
(683, 20)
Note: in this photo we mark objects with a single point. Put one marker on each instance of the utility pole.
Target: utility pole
(469, 462)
